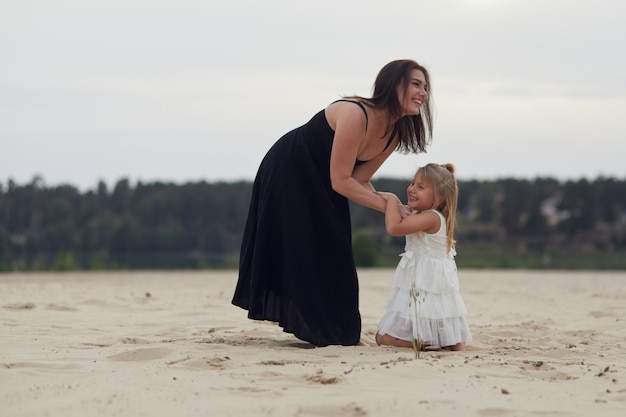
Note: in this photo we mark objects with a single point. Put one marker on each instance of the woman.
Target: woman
(296, 265)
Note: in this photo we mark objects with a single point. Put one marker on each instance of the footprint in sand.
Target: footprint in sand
(350, 410)
(494, 412)
(20, 306)
(56, 307)
(133, 341)
(207, 363)
(147, 354)
(601, 314)
(319, 378)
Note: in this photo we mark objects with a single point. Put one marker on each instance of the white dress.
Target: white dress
(425, 303)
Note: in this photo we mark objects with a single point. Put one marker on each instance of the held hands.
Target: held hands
(387, 195)
(404, 210)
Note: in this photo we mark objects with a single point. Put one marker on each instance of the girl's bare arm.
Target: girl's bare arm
(396, 225)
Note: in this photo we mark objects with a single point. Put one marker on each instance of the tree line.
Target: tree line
(538, 223)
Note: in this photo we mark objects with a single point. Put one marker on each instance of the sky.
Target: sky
(198, 90)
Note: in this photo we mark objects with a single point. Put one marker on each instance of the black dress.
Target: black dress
(296, 265)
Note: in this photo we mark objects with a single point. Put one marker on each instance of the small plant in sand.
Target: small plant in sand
(415, 302)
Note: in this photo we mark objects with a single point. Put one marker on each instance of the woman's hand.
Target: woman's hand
(387, 195)
(391, 198)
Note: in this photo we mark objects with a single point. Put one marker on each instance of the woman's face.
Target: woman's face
(415, 93)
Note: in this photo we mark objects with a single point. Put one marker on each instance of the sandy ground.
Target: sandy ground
(170, 343)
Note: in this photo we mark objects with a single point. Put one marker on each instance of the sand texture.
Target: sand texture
(171, 344)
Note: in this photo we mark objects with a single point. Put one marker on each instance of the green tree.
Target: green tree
(364, 250)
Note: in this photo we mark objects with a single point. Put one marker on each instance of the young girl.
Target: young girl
(425, 305)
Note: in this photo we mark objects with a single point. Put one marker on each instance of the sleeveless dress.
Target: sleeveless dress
(425, 300)
(296, 266)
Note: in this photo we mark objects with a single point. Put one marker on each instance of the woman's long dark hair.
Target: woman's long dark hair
(414, 132)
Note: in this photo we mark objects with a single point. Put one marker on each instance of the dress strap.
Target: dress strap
(362, 108)
(393, 133)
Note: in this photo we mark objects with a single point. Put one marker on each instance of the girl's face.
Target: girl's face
(421, 196)
(412, 97)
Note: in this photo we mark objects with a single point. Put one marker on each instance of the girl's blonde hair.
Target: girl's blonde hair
(446, 192)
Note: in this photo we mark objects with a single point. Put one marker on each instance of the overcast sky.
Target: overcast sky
(188, 90)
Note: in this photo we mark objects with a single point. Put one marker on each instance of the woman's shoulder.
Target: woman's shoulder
(349, 105)
(350, 110)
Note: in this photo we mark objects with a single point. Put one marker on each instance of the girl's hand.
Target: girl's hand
(405, 211)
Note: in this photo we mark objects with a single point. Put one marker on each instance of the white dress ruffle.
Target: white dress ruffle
(425, 303)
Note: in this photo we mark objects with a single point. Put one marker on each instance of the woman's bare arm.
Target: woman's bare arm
(348, 179)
